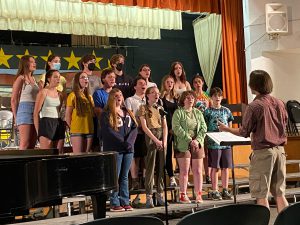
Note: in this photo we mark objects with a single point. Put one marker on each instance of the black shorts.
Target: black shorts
(52, 128)
(220, 158)
(140, 147)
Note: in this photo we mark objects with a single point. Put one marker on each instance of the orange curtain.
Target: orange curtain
(233, 54)
(181, 5)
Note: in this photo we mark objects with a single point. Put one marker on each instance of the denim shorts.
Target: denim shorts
(25, 113)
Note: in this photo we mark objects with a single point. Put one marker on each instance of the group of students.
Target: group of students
(124, 114)
(145, 125)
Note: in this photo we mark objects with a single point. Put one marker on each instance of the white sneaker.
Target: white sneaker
(173, 182)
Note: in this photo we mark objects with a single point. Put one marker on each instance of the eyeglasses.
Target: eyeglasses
(85, 78)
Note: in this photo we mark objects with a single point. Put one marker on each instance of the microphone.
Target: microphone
(161, 110)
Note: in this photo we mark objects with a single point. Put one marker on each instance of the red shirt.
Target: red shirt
(266, 119)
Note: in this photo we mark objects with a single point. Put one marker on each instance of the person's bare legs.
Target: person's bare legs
(225, 177)
(263, 202)
(60, 145)
(88, 144)
(197, 166)
(27, 136)
(214, 179)
(77, 144)
(33, 137)
(45, 143)
(281, 203)
(184, 165)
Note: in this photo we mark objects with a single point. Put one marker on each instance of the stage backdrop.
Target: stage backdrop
(70, 57)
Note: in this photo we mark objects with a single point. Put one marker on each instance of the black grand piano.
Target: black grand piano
(36, 178)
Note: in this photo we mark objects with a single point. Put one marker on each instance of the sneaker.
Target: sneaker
(199, 198)
(136, 202)
(184, 198)
(117, 209)
(149, 202)
(160, 200)
(215, 195)
(207, 180)
(173, 182)
(226, 195)
(128, 208)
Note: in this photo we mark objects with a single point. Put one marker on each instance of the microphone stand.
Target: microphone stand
(163, 113)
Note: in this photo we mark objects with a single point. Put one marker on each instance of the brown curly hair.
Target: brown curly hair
(183, 97)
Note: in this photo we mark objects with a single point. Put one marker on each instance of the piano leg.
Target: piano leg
(99, 205)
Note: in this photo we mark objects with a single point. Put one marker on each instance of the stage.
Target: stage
(176, 211)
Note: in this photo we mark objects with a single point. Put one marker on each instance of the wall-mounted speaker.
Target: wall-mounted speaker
(276, 18)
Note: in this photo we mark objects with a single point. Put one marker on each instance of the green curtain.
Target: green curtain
(208, 40)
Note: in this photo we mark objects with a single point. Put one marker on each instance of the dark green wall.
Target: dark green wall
(159, 54)
(175, 45)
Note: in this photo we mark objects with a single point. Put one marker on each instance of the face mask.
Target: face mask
(119, 67)
(91, 66)
(56, 66)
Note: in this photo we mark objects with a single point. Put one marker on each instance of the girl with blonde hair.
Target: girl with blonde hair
(170, 103)
(118, 132)
(79, 114)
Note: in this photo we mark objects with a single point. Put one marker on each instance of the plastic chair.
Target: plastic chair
(6, 127)
(136, 220)
(289, 216)
(244, 214)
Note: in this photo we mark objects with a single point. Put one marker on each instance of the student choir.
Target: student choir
(129, 112)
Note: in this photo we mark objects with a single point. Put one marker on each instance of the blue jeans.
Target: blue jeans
(121, 197)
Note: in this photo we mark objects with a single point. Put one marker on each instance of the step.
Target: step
(293, 175)
(292, 161)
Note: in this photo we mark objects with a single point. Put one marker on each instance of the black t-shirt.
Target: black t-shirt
(124, 83)
(170, 108)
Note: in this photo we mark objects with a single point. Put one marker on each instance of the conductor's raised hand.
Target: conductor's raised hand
(222, 126)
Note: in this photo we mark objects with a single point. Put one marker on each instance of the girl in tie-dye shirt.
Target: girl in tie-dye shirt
(203, 100)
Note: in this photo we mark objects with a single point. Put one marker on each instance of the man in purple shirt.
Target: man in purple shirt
(265, 120)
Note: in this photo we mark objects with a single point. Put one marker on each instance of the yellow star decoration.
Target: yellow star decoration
(4, 58)
(26, 53)
(45, 58)
(108, 65)
(98, 59)
(73, 61)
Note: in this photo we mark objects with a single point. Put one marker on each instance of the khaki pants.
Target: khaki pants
(267, 172)
(154, 160)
